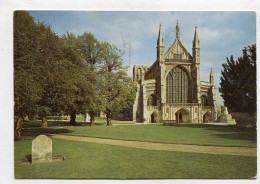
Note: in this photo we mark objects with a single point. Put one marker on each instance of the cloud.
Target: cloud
(221, 34)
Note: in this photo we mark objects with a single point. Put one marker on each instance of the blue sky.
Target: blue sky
(221, 34)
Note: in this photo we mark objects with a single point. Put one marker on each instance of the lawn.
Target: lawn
(89, 160)
(189, 134)
(184, 133)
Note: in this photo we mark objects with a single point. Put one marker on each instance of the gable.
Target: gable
(177, 51)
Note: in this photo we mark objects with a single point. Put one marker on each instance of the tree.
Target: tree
(238, 82)
(90, 50)
(49, 76)
(116, 88)
(76, 90)
(49, 54)
(26, 89)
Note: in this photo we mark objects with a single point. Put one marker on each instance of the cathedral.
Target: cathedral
(170, 90)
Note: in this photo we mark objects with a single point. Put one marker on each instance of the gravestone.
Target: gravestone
(41, 149)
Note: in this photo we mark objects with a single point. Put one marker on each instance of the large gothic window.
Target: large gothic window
(177, 86)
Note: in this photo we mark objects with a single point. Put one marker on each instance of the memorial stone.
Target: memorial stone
(41, 149)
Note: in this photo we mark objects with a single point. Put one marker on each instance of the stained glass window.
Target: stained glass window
(177, 86)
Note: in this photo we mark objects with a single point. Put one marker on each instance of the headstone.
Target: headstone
(41, 149)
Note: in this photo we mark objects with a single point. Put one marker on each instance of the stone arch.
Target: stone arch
(182, 115)
(154, 118)
(206, 117)
(180, 66)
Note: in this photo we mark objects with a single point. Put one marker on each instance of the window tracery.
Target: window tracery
(177, 86)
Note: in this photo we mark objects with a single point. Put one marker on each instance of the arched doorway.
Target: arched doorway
(154, 118)
(206, 117)
(182, 116)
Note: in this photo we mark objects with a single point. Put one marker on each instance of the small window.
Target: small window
(139, 74)
(151, 101)
(204, 100)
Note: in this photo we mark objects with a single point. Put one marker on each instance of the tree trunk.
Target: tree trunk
(73, 118)
(92, 118)
(44, 121)
(18, 127)
(109, 116)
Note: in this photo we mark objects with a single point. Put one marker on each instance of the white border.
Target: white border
(6, 64)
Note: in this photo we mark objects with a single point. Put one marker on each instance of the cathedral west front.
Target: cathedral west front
(170, 90)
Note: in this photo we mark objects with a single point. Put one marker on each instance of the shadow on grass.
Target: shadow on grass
(223, 128)
(238, 136)
(29, 158)
(34, 131)
(225, 131)
(33, 128)
(31, 124)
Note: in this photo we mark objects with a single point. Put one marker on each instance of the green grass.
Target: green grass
(89, 160)
(184, 133)
(189, 134)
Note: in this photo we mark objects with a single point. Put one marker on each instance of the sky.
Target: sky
(221, 34)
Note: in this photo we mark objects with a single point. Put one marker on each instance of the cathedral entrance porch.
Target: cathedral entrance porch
(182, 116)
(153, 118)
(206, 117)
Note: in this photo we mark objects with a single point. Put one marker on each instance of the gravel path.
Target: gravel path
(242, 151)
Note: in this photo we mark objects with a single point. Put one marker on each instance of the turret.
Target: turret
(211, 78)
(196, 47)
(177, 31)
(160, 46)
(196, 66)
(196, 42)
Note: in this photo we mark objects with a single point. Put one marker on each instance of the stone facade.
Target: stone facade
(170, 89)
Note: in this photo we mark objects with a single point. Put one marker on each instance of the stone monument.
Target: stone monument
(86, 118)
(225, 117)
(41, 149)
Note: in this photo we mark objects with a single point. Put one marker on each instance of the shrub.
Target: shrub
(244, 120)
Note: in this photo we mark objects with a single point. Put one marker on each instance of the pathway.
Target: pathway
(242, 151)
